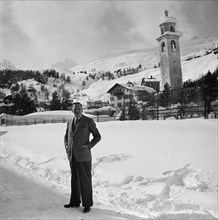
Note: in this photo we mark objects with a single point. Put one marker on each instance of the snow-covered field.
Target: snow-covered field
(150, 169)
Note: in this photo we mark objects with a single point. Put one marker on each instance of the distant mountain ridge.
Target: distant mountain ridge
(6, 65)
(64, 66)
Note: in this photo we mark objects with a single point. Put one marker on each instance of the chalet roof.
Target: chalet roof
(151, 80)
(133, 88)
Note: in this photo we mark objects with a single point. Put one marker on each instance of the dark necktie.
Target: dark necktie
(76, 121)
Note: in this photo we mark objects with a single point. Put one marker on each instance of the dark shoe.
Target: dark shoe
(86, 209)
(69, 206)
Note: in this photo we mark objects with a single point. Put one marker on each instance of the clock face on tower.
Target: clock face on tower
(164, 61)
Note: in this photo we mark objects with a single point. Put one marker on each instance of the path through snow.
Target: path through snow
(24, 198)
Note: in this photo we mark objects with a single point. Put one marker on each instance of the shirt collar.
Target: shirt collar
(78, 117)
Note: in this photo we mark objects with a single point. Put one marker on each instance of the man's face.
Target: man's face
(77, 110)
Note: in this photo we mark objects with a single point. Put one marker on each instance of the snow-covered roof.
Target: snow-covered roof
(176, 33)
(168, 20)
(8, 105)
(133, 88)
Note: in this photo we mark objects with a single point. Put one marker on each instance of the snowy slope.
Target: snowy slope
(191, 69)
(147, 57)
(31, 82)
(197, 44)
(161, 169)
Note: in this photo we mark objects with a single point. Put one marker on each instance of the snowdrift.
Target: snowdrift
(156, 169)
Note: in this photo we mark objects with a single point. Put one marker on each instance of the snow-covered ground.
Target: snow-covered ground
(150, 169)
(21, 198)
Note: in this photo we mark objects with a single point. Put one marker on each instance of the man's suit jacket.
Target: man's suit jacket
(75, 140)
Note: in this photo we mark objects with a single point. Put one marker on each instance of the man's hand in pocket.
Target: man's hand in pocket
(85, 147)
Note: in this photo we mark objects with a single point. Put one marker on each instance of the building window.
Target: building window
(173, 45)
(119, 97)
(126, 96)
(111, 98)
(163, 47)
(119, 105)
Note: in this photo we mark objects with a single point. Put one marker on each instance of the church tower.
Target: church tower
(170, 61)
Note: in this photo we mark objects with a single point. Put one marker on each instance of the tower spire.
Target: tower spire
(170, 60)
(166, 13)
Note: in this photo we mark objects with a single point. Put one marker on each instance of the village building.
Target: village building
(122, 94)
(96, 104)
(6, 108)
(151, 82)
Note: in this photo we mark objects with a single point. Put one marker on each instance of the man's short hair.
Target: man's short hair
(77, 103)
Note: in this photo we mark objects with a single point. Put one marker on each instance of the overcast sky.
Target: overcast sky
(36, 34)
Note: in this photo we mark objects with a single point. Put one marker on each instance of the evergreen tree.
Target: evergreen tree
(165, 96)
(23, 90)
(66, 94)
(68, 79)
(23, 104)
(55, 102)
(143, 113)
(133, 112)
(209, 83)
(123, 115)
(83, 84)
(46, 93)
(66, 104)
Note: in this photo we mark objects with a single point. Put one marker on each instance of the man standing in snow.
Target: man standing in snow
(78, 148)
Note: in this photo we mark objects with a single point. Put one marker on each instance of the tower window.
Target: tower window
(162, 30)
(172, 29)
(173, 45)
(163, 47)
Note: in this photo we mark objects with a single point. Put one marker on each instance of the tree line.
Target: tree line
(24, 104)
(9, 77)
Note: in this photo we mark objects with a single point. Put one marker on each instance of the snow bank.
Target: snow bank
(146, 168)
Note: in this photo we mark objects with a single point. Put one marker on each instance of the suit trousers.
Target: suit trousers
(81, 182)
